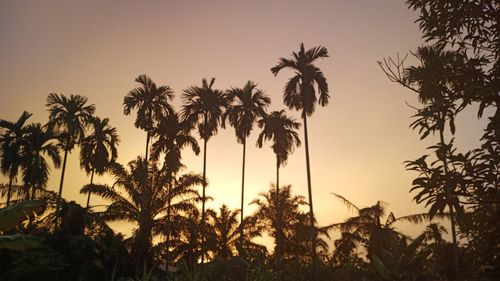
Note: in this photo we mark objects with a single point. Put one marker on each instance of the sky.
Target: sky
(358, 143)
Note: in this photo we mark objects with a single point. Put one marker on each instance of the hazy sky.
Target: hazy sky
(358, 143)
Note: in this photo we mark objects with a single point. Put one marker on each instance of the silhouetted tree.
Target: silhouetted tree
(367, 229)
(282, 131)
(300, 94)
(152, 104)
(439, 84)
(98, 149)
(187, 241)
(204, 107)
(11, 142)
(181, 198)
(137, 196)
(67, 119)
(468, 31)
(173, 135)
(39, 143)
(294, 227)
(248, 103)
(224, 238)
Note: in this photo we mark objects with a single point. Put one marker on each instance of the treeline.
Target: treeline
(177, 238)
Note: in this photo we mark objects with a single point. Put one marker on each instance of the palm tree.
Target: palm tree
(187, 236)
(98, 149)
(367, 228)
(225, 232)
(282, 131)
(294, 222)
(11, 147)
(39, 143)
(204, 107)
(300, 94)
(181, 197)
(173, 136)
(134, 199)
(152, 104)
(67, 119)
(249, 103)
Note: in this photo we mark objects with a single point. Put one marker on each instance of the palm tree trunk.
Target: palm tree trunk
(278, 222)
(91, 182)
(311, 212)
(33, 190)
(147, 146)
(203, 201)
(169, 206)
(242, 194)
(58, 204)
(11, 178)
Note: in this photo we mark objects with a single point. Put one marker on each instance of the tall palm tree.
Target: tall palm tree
(204, 106)
(11, 145)
(249, 103)
(98, 149)
(300, 94)
(173, 135)
(152, 104)
(282, 131)
(39, 143)
(134, 199)
(68, 118)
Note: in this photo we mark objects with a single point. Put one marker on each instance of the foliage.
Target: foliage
(135, 199)
(459, 68)
(151, 102)
(11, 142)
(11, 217)
(39, 143)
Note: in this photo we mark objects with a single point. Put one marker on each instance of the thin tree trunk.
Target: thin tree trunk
(311, 212)
(169, 223)
(11, 178)
(91, 182)
(58, 204)
(242, 194)
(203, 201)
(147, 145)
(456, 265)
(33, 190)
(278, 223)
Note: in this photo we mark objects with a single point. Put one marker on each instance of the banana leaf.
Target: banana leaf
(11, 216)
(19, 242)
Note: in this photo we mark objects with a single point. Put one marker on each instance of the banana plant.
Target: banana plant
(14, 215)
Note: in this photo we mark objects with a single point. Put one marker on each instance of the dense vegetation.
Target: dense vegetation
(176, 237)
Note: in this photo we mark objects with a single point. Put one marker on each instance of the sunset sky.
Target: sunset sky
(358, 143)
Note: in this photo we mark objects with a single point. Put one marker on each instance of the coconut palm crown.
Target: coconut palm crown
(152, 103)
(99, 149)
(39, 144)
(68, 118)
(300, 90)
(11, 142)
